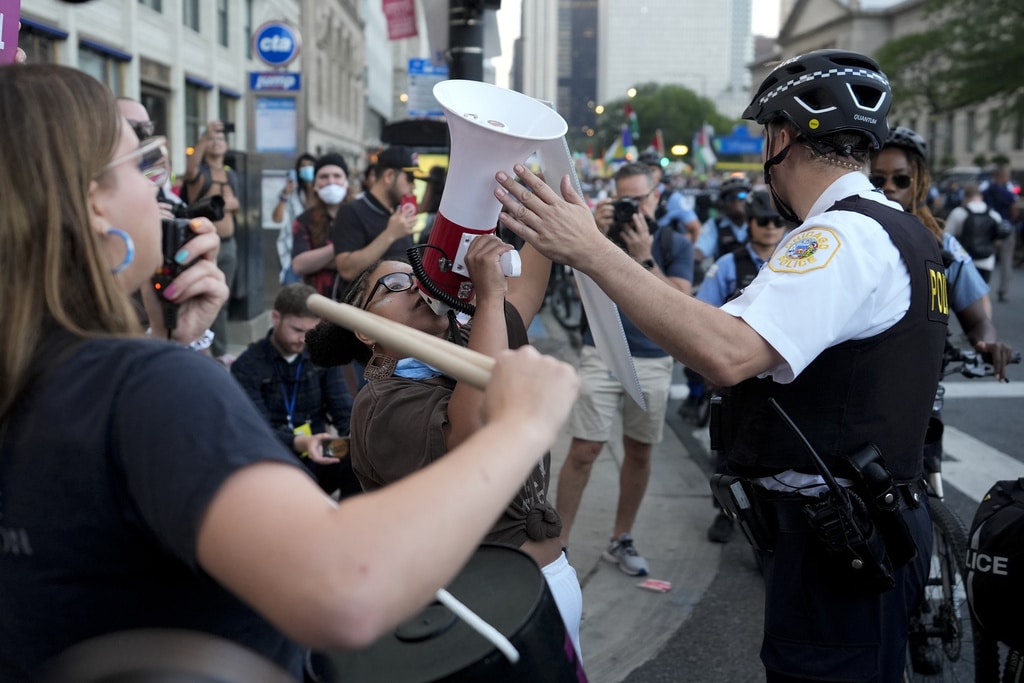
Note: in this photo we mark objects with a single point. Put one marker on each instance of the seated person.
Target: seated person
(299, 399)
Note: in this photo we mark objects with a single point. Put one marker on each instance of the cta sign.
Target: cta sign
(276, 43)
(264, 81)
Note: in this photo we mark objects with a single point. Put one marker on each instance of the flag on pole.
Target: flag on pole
(659, 143)
(703, 152)
(615, 150)
(632, 122)
(627, 144)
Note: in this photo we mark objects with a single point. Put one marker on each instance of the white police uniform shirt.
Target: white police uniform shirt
(836, 277)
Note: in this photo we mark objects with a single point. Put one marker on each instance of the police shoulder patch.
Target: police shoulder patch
(808, 250)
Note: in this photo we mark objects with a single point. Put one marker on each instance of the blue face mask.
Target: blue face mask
(306, 174)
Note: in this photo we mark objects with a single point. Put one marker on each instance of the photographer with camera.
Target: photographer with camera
(844, 329)
(206, 176)
(628, 222)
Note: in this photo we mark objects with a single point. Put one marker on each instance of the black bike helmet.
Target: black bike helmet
(908, 139)
(824, 92)
(731, 185)
(759, 205)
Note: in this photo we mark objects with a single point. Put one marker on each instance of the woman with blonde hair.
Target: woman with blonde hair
(139, 488)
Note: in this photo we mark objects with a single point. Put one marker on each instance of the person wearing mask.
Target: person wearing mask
(312, 250)
(296, 196)
(169, 501)
(900, 170)
(376, 226)
(856, 374)
(409, 414)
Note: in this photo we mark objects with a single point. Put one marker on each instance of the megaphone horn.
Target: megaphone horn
(491, 128)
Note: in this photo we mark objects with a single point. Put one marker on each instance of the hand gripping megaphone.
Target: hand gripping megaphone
(491, 128)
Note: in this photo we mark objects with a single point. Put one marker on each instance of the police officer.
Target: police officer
(722, 233)
(843, 329)
(726, 280)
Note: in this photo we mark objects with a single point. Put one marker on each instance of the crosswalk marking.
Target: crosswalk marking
(984, 389)
(972, 466)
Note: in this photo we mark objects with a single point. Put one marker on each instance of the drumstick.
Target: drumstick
(455, 361)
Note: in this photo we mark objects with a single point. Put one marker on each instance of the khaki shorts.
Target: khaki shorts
(602, 399)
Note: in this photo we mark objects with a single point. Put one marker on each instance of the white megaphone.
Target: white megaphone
(491, 129)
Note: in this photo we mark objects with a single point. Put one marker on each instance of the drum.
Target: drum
(505, 588)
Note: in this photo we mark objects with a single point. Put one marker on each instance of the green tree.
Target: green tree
(971, 51)
(677, 111)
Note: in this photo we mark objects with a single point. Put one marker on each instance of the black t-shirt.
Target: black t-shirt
(360, 222)
(107, 466)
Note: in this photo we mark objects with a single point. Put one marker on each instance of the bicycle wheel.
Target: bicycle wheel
(940, 644)
(565, 300)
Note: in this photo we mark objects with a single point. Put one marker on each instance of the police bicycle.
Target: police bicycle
(942, 643)
(564, 298)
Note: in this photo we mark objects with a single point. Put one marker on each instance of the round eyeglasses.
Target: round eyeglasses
(900, 180)
(393, 282)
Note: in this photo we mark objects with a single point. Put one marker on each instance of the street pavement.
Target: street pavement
(625, 627)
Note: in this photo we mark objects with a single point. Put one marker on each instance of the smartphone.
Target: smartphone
(229, 127)
(409, 200)
(292, 177)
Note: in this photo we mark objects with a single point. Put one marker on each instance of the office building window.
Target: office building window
(195, 112)
(971, 132)
(155, 5)
(190, 14)
(247, 29)
(227, 106)
(103, 66)
(995, 122)
(39, 43)
(222, 22)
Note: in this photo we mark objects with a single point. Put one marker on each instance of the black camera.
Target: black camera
(624, 209)
(229, 127)
(175, 233)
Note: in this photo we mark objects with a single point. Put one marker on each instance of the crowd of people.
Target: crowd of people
(297, 503)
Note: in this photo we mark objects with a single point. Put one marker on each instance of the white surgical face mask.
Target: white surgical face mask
(332, 194)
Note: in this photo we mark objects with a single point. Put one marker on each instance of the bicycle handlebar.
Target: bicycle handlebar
(970, 363)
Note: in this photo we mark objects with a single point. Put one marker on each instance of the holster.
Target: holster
(884, 501)
(742, 505)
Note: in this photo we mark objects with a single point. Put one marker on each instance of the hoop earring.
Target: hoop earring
(129, 245)
(379, 366)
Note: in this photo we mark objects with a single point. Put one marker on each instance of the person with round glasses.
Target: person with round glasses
(140, 487)
(900, 170)
(409, 414)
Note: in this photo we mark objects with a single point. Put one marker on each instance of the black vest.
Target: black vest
(876, 390)
(726, 237)
(746, 271)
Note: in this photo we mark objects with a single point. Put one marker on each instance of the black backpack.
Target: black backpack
(995, 563)
(977, 234)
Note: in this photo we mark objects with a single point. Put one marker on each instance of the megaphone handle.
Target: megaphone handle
(511, 264)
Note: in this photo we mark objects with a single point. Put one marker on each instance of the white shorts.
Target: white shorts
(602, 398)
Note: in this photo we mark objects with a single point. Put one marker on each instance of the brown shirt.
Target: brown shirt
(398, 428)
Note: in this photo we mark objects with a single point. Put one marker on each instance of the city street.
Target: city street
(707, 629)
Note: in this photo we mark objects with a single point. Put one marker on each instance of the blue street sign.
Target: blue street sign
(276, 43)
(739, 142)
(423, 76)
(263, 81)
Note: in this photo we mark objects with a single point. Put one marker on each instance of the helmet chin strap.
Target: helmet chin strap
(785, 210)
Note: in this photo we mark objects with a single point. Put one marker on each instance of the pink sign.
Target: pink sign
(10, 11)
(401, 17)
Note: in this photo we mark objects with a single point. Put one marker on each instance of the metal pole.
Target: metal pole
(466, 39)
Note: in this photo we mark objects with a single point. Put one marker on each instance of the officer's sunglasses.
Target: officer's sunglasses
(764, 222)
(900, 180)
(393, 282)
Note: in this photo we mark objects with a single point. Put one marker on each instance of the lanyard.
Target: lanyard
(289, 403)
